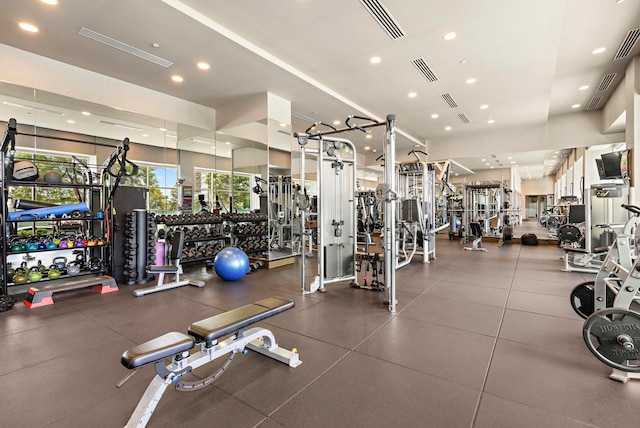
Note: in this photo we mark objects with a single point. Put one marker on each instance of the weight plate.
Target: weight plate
(613, 336)
(582, 299)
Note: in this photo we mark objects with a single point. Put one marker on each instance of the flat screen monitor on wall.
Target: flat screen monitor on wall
(600, 169)
(614, 165)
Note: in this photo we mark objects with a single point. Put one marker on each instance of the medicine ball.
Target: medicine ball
(52, 177)
(24, 170)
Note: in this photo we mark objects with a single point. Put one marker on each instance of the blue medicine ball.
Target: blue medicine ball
(231, 264)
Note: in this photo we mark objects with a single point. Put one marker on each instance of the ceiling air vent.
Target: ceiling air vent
(101, 38)
(449, 100)
(384, 18)
(606, 82)
(463, 117)
(424, 69)
(627, 44)
(593, 104)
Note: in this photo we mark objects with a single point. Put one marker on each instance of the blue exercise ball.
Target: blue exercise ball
(231, 264)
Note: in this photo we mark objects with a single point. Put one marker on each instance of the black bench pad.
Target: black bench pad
(161, 268)
(167, 345)
(210, 329)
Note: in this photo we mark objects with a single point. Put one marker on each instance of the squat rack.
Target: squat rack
(329, 149)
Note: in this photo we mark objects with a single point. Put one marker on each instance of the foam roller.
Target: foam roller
(44, 212)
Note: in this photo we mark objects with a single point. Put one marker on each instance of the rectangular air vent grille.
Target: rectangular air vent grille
(101, 38)
(449, 100)
(606, 82)
(384, 18)
(463, 117)
(593, 104)
(425, 70)
(627, 44)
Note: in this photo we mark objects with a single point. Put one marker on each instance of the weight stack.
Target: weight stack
(140, 241)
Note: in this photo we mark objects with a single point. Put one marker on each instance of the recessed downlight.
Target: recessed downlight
(491, 121)
(86, 113)
(336, 122)
(50, 2)
(484, 106)
(575, 106)
(375, 60)
(598, 51)
(435, 116)
(203, 65)
(71, 121)
(367, 147)
(449, 36)
(412, 94)
(28, 27)
(177, 78)
(471, 80)
(447, 128)
(583, 88)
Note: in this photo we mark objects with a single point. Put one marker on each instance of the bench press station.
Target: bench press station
(205, 333)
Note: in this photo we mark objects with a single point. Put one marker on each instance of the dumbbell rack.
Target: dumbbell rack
(204, 235)
(250, 232)
(139, 247)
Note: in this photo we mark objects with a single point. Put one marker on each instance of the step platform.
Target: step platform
(37, 297)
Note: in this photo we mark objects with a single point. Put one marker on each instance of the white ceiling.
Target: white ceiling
(529, 59)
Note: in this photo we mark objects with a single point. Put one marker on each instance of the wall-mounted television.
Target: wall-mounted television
(614, 165)
(600, 168)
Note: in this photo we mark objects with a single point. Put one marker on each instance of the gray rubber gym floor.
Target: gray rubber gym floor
(479, 340)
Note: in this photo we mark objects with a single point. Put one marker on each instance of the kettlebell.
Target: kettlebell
(17, 246)
(32, 245)
(54, 272)
(10, 270)
(42, 268)
(60, 262)
(20, 276)
(73, 268)
(34, 274)
(51, 245)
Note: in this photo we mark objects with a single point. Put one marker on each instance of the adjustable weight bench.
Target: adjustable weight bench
(174, 267)
(205, 335)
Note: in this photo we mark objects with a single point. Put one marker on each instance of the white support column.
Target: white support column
(632, 90)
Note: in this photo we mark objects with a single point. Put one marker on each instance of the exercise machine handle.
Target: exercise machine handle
(634, 209)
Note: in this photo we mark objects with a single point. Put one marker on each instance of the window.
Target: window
(60, 167)
(219, 187)
(161, 181)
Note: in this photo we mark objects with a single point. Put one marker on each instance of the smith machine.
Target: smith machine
(336, 211)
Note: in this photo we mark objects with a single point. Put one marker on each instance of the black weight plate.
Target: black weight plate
(582, 299)
(613, 336)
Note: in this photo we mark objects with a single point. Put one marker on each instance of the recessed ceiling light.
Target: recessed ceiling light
(510, 157)
(71, 121)
(482, 160)
(575, 105)
(155, 45)
(375, 60)
(598, 51)
(28, 27)
(513, 162)
(227, 143)
(177, 78)
(491, 167)
(449, 36)
(203, 66)
(145, 135)
(463, 61)
(557, 151)
(86, 113)
(471, 81)
(283, 125)
(583, 88)
(555, 157)
(163, 129)
(336, 122)
(491, 121)
(435, 116)
(368, 137)
(488, 164)
(413, 94)
(484, 106)
(367, 147)
(373, 151)
(51, 2)
(619, 1)
(448, 128)
(456, 174)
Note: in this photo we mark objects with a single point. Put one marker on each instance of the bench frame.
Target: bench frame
(257, 339)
